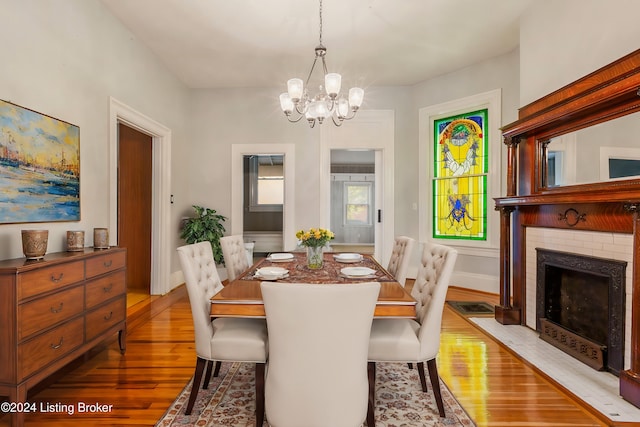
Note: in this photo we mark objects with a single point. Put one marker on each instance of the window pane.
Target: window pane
(358, 213)
(358, 193)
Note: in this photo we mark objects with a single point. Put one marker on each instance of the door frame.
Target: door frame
(161, 188)
(238, 151)
(371, 130)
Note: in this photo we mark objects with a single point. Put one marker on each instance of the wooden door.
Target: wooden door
(134, 205)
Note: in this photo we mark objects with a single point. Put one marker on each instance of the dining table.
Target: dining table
(242, 297)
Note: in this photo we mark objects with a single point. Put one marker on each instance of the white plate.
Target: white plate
(280, 257)
(272, 271)
(268, 277)
(357, 271)
(348, 258)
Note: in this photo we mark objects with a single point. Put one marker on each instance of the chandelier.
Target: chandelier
(297, 103)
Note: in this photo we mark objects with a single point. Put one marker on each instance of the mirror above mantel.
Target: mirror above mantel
(604, 152)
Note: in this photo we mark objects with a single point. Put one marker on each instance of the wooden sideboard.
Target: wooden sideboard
(54, 310)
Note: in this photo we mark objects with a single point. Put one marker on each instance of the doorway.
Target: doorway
(353, 190)
(370, 130)
(238, 154)
(161, 242)
(263, 206)
(134, 207)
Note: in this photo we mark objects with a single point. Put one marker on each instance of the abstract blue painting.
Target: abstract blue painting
(39, 167)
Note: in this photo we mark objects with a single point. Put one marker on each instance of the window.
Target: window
(266, 178)
(460, 171)
(357, 203)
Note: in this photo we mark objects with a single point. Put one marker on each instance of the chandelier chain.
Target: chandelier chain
(320, 22)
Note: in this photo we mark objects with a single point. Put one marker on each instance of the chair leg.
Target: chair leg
(371, 407)
(260, 367)
(410, 365)
(207, 375)
(423, 379)
(197, 378)
(217, 370)
(435, 384)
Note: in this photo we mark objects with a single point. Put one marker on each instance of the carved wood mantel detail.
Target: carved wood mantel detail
(610, 206)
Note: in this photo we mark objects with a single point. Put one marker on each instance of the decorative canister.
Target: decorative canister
(75, 240)
(100, 238)
(34, 243)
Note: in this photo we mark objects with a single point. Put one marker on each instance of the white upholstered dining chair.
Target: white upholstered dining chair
(400, 257)
(318, 339)
(235, 255)
(223, 339)
(417, 341)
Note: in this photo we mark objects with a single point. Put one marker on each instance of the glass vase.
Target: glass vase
(314, 257)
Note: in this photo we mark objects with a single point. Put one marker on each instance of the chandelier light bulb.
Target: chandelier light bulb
(295, 88)
(356, 96)
(332, 82)
(286, 103)
(343, 108)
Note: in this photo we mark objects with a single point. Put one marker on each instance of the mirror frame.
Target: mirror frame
(608, 93)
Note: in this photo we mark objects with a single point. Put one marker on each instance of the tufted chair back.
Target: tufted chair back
(318, 340)
(235, 256)
(203, 282)
(430, 292)
(400, 257)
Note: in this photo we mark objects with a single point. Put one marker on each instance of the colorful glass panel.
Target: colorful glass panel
(460, 177)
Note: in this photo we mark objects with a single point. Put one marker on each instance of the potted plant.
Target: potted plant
(206, 226)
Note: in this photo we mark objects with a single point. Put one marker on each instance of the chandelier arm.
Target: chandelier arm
(294, 120)
(300, 108)
(337, 123)
(324, 66)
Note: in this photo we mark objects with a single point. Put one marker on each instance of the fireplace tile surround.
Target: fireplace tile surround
(590, 243)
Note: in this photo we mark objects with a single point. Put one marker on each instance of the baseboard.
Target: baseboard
(478, 282)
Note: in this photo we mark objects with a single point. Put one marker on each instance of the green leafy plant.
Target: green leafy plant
(206, 226)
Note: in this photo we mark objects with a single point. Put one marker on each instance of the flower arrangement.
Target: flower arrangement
(314, 237)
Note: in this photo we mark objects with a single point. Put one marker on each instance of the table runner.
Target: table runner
(329, 273)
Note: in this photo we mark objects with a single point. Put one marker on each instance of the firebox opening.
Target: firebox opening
(578, 301)
(580, 306)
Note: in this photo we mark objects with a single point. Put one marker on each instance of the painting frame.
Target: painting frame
(39, 167)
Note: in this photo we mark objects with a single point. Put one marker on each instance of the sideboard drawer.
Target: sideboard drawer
(104, 317)
(50, 278)
(105, 288)
(105, 263)
(41, 313)
(45, 348)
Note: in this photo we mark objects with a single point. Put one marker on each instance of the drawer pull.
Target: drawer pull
(109, 316)
(57, 310)
(56, 279)
(108, 288)
(107, 264)
(56, 346)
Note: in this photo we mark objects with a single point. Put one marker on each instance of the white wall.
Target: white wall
(561, 41)
(65, 58)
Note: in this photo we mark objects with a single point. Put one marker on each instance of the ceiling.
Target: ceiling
(258, 43)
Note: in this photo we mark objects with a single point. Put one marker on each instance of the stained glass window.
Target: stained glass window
(459, 180)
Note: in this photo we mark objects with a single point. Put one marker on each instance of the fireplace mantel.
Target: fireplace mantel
(611, 92)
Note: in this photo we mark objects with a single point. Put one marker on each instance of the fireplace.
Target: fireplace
(580, 306)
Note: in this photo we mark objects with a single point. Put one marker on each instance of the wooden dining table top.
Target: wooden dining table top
(242, 297)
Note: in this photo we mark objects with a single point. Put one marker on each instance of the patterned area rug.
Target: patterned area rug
(400, 402)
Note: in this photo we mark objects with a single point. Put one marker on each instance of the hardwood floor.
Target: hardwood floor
(493, 386)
